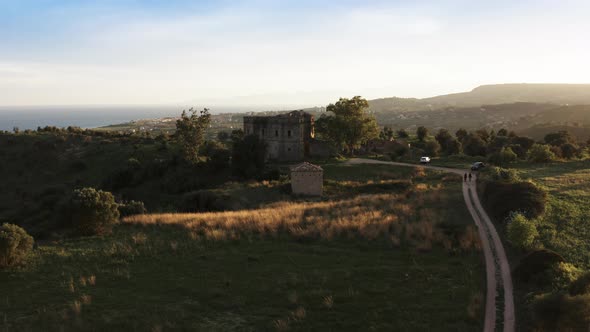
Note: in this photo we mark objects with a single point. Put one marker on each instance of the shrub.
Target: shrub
(248, 158)
(563, 274)
(93, 211)
(15, 245)
(536, 263)
(562, 312)
(398, 150)
(219, 158)
(540, 153)
(569, 151)
(502, 198)
(204, 201)
(522, 232)
(504, 174)
(502, 157)
(131, 208)
(581, 285)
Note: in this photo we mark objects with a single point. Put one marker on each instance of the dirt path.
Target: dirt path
(499, 297)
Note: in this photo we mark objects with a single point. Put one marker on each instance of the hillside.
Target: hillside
(490, 95)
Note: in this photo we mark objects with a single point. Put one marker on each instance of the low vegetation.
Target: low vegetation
(359, 258)
(546, 228)
(15, 245)
(93, 211)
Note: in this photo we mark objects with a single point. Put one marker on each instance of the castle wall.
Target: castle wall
(286, 135)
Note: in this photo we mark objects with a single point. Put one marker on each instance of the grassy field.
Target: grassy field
(565, 225)
(386, 249)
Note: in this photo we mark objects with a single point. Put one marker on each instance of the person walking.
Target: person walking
(469, 176)
(465, 177)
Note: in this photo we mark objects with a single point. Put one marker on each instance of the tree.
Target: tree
(443, 137)
(402, 133)
(223, 136)
(559, 138)
(15, 245)
(454, 146)
(569, 150)
(525, 142)
(541, 153)
(248, 157)
(474, 145)
(386, 134)
(190, 132)
(483, 134)
(218, 156)
(93, 211)
(421, 132)
(502, 132)
(461, 134)
(432, 148)
(349, 124)
(502, 157)
(521, 232)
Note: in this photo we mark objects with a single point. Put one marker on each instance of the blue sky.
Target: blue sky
(291, 53)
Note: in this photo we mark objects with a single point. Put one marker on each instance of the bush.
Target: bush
(563, 274)
(521, 231)
(562, 312)
(569, 150)
(131, 208)
(504, 174)
(581, 285)
(93, 211)
(502, 157)
(536, 263)
(540, 153)
(502, 198)
(15, 245)
(248, 158)
(205, 201)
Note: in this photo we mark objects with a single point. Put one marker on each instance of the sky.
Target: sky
(281, 53)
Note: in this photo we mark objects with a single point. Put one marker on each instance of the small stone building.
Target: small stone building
(307, 179)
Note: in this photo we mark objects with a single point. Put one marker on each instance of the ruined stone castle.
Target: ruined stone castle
(288, 136)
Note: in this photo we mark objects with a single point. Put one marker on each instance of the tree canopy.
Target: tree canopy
(349, 124)
(190, 132)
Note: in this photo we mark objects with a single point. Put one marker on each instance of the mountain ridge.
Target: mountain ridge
(491, 94)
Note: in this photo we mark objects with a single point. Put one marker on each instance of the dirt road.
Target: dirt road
(499, 296)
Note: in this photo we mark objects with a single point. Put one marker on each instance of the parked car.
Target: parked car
(477, 166)
(425, 160)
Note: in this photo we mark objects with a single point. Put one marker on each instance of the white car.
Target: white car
(425, 160)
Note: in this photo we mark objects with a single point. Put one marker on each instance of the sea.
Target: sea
(31, 117)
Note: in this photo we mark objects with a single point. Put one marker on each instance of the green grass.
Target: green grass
(565, 225)
(162, 277)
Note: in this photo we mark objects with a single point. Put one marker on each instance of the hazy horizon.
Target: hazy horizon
(292, 53)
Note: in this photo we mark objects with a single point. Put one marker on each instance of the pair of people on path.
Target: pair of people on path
(465, 177)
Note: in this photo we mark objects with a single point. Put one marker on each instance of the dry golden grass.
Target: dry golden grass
(281, 325)
(299, 314)
(370, 217)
